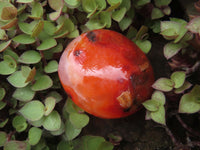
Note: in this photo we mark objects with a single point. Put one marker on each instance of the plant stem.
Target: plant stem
(186, 126)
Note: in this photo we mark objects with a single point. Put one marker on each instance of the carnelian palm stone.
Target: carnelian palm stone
(106, 74)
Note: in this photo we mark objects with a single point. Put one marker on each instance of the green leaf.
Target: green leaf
(73, 34)
(188, 104)
(50, 103)
(3, 35)
(163, 84)
(24, 39)
(160, 3)
(25, 1)
(19, 123)
(184, 87)
(71, 107)
(151, 105)
(3, 137)
(193, 25)
(56, 4)
(8, 13)
(37, 28)
(4, 45)
(106, 146)
(140, 3)
(114, 2)
(170, 29)
(11, 53)
(171, 49)
(183, 30)
(159, 116)
(30, 57)
(34, 135)
(37, 10)
(15, 145)
(78, 120)
(71, 132)
(3, 123)
(49, 27)
(37, 123)
(47, 44)
(144, 45)
(17, 79)
(55, 15)
(179, 78)
(89, 5)
(106, 18)
(24, 94)
(52, 122)
(125, 23)
(51, 67)
(59, 131)
(8, 66)
(101, 4)
(56, 95)
(93, 24)
(64, 145)
(159, 97)
(27, 28)
(33, 110)
(2, 105)
(73, 3)
(43, 83)
(156, 13)
(2, 93)
(119, 14)
(93, 143)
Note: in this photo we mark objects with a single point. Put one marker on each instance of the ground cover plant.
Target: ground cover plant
(36, 113)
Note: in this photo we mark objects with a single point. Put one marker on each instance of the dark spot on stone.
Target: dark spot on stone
(91, 36)
(127, 109)
(138, 79)
(77, 52)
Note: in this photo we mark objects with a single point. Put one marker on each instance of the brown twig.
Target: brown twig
(186, 126)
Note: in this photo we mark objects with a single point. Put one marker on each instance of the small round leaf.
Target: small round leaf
(79, 120)
(55, 95)
(144, 45)
(34, 135)
(159, 116)
(3, 137)
(24, 39)
(24, 94)
(2, 93)
(188, 104)
(159, 97)
(179, 78)
(50, 103)
(4, 45)
(19, 123)
(2, 105)
(47, 44)
(30, 57)
(52, 122)
(43, 83)
(15, 145)
(70, 131)
(33, 110)
(151, 105)
(17, 79)
(51, 67)
(163, 84)
(171, 49)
